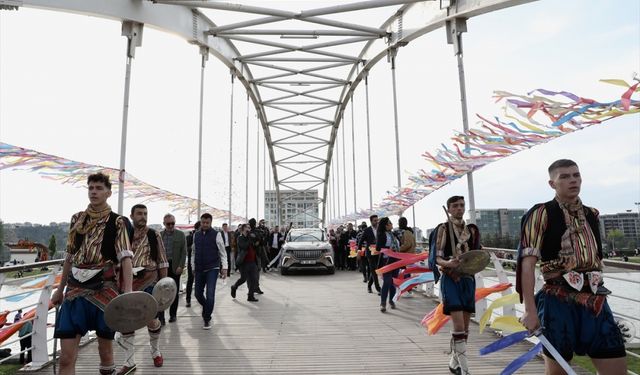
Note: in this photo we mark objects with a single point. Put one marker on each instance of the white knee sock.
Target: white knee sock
(154, 336)
(126, 342)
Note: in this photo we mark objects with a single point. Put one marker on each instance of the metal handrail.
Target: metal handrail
(20, 280)
(19, 267)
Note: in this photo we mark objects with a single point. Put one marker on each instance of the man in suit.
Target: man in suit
(175, 245)
(368, 239)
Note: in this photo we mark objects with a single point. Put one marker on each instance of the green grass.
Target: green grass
(9, 369)
(634, 259)
(585, 362)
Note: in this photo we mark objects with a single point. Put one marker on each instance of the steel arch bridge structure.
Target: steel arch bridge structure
(300, 88)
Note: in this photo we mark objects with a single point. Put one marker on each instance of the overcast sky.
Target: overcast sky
(62, 77)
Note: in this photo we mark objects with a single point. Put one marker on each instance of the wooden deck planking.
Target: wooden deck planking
(308, 324)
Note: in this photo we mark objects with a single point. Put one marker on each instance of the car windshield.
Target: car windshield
(306, 236)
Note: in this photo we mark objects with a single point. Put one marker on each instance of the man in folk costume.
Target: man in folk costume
(572, 306)
(149, 265)
(98, 241)
(453, 239)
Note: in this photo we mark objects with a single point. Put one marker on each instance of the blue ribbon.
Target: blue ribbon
(504, 342)
(520, 361)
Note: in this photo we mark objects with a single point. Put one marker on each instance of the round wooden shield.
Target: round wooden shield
(473, 262)
(130, 311)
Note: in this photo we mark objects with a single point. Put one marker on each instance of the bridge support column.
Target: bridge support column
(133, 32)
(337, 158)
(258, 171)
(353, 155)
(344, 167)
(393, 52)
(455, 28)
(366, 87)
(246, 168)
(233, 75)
(204, 51)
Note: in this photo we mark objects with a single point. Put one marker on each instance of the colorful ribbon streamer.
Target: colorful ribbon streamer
(528, 121)
(507, 324)
(435, 319)
(75, 173)
(509, 299)
(522, 360)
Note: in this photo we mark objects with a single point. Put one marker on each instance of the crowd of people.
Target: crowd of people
(108, 256)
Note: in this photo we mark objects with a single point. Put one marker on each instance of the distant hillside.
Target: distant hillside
(37, 233)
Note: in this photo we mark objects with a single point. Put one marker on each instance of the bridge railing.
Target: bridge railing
(38, 313)
(496, 272)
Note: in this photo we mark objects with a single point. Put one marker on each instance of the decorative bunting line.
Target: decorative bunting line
(528, 120)
(75, 173)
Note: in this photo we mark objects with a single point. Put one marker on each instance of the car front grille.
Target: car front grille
(307, 254)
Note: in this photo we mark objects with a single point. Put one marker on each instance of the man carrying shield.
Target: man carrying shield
(453, 239)
(98, 241)
(149, 265)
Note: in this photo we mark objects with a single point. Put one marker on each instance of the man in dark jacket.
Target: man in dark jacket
(208, 255)
(247, 262)
(256, 234)
(368, 239)
(346, 237)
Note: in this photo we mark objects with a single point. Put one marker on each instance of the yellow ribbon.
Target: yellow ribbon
(507, 323)
(510, 299)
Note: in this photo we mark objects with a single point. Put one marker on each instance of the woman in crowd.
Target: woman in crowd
(386, 240)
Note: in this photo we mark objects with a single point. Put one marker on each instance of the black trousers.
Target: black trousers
(173, 310)
(228, 250)
(190, 280)
(339, 258)
(373, 276)
(24, 344)
(363, 264)
(248, 273)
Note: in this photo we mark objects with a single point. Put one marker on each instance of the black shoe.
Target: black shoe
(383, 308)
(233, 291)
(252, 299)
(207, 325)
(369, 290)
(378, 293)
(188, 304)
(259, 291)
(392, 305)
(172, 319)
(162, 322)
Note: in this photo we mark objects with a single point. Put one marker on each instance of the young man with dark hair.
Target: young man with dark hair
(208, 255)
(256, 234)
(247, 261)
(368, 240)
(454, 238)
(571, 307)
(98, 242)
(149, 265)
